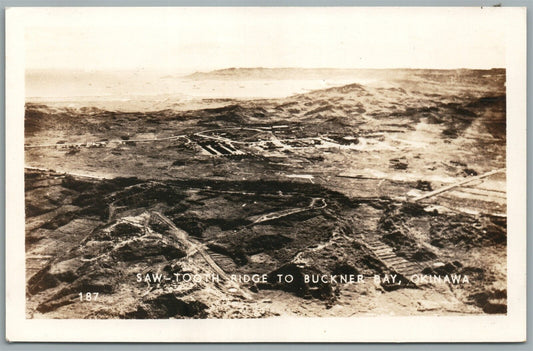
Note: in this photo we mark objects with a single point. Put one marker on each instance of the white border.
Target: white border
(511, 327)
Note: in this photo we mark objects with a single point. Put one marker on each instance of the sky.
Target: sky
(203, 39)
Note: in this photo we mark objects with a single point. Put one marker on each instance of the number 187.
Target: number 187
(88, 296)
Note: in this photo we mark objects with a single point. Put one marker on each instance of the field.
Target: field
(398, 178)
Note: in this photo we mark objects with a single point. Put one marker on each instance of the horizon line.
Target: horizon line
(196, 70)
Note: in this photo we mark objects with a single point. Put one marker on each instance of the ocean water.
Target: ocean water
(64, 85)
(141, 90)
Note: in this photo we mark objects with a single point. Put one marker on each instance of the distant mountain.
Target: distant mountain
(289, 73)
(278, 73)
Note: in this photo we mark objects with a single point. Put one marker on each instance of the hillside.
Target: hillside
(331, 182)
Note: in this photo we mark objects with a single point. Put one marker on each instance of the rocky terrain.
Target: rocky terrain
(389, 193)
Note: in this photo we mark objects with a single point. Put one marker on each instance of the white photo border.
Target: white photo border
(508, 328)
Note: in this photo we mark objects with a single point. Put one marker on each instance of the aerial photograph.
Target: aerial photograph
(267, 166)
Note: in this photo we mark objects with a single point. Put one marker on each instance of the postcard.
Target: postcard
(277, 174)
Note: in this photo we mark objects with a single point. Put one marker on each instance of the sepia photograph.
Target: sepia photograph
(267, 163)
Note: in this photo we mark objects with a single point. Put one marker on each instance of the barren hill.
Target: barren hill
(324, 183)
